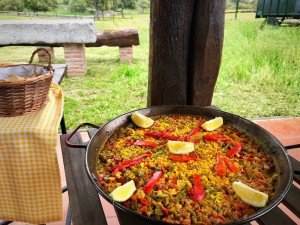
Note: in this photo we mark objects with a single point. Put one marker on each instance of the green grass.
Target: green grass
(259, 75)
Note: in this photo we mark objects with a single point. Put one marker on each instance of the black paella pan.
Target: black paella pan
(268, 142)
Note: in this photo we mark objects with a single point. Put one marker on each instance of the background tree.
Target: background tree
(129, 4)
(118, 6)
(12, 5)
(78, 5)
(102, 5)
(143, 4)
(243, 4)
(37, 5)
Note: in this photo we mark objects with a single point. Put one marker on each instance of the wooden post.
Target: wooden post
(170, 23)
(186, 39)
(236, 8)
(205, 50)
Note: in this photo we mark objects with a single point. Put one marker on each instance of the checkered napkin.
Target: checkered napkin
(30, 186)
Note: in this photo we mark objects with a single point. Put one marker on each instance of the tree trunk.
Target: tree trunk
(122, 10)
(186, 39)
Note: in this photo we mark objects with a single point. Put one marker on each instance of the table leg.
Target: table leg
(6, 222)
(63, 125)
(69, 218)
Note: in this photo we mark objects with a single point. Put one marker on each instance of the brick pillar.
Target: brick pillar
(126, 54)
(75, 59)
(43, 57)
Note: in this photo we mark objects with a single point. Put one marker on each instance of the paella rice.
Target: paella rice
(194, 188)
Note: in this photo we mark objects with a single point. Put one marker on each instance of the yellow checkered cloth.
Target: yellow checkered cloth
(30, 186)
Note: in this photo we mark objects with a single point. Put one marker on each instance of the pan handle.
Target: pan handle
(69, 136)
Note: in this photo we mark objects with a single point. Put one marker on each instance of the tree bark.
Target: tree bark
(206, 50)
(120, 37)
(170, 23)
(186, 39)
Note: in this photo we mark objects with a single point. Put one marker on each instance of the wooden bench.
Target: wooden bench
(123, 38)
(86, 207)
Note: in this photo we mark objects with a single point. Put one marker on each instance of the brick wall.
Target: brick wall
(75, 59)
(126, 54)
(43, 56)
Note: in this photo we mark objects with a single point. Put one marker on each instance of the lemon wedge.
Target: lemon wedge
(249, 195)
(140, 120)
(180, 147)
(124, 192)
(212, 124)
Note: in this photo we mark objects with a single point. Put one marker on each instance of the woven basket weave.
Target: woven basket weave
(28, 95)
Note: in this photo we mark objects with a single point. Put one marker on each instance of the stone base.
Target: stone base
(43, 56)
(126, 54)
(75, 59)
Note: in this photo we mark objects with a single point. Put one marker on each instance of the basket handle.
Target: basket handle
(41, 49)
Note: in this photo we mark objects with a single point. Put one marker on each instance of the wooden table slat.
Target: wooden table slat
(84, 200)
(297, 178)
(296, 165)
(275, 217)
(292, 200)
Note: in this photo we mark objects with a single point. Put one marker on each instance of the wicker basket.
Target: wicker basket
(29, 94)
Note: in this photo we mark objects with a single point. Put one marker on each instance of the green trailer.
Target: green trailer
(278, 10)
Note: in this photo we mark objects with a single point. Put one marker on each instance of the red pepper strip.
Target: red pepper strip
(146, 143)
(130, 162)
(220, 166)
(215, 137)
(231, 165)
(193, 132)
(129, 142)
(237, 147)
(165, 211)
(175, 117)
(151, 183)
(161, 135)
(144, 201)
(169, 129)
(199, 192)
(201, 122)
(183, 158)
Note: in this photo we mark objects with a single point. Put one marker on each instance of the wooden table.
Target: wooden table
(87, 209)
(60, 70)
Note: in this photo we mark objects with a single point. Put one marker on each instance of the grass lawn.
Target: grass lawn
(259, 75)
